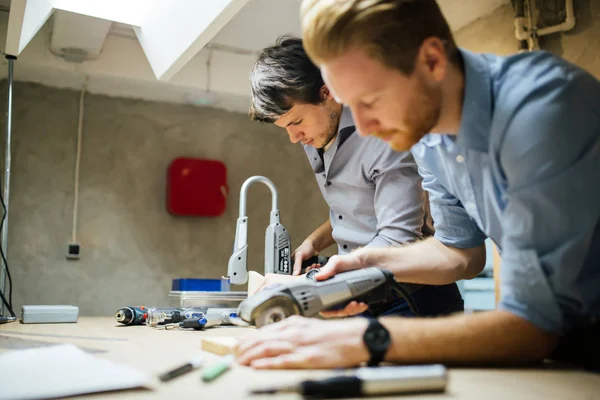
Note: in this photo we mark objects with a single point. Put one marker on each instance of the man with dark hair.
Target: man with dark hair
(508, 147)
(374, 193)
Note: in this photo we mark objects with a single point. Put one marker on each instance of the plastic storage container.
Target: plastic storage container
(184, 299)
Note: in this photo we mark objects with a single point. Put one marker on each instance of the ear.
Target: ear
(325, 93)
(432, 59)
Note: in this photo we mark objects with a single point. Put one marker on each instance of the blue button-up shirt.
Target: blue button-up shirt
(374, 193)
(524, 170)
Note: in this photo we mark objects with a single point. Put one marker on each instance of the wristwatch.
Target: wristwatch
(378, 340)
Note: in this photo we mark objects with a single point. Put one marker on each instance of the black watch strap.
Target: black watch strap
(378, 340)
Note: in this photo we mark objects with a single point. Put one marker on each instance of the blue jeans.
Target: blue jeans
(431, 301)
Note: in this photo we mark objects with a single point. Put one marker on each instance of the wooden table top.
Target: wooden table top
(156, 351)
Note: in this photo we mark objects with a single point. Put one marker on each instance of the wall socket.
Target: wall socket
(73, 251)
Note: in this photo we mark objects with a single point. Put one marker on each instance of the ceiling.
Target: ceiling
(122, 69)
(265, 20)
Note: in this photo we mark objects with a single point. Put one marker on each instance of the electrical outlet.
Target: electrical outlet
(73, 251)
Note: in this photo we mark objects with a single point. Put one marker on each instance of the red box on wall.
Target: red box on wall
(197, 187)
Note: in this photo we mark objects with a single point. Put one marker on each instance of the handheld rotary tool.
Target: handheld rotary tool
(307, 297)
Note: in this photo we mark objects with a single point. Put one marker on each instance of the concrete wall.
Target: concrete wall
(131, 246)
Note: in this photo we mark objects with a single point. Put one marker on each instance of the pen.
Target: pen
(184, 369)
(218, 369)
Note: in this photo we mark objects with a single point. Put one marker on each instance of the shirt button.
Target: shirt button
(345, 246)
(340, 217)
(460, 158)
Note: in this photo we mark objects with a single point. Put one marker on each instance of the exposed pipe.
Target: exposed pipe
(521, 32)
(532, 33)
(565, 26)
(7, 162)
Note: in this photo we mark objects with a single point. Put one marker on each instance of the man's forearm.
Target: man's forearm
(322, 237)
(486, 337)
(426, 262)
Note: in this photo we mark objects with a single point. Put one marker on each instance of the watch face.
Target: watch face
(377, 337)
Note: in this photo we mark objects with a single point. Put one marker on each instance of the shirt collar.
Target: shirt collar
(346, 126)
(476, 115)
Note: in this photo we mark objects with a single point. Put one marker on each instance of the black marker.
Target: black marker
(194, 363)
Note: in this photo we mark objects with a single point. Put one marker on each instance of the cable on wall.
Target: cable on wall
(74, 248)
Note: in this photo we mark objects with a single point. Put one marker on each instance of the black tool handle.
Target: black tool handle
(331, 388)
(196, 323)
(313, 260)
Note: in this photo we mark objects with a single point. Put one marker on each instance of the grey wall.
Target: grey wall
(131, 246)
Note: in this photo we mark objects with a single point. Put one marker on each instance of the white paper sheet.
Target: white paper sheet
(62, 370)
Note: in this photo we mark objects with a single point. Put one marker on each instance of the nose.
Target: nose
(365, 123)
(295, 135)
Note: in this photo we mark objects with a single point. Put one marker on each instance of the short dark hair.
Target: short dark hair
(283, 75)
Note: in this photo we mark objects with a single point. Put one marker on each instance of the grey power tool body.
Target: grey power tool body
(307, 297)
(277, 239)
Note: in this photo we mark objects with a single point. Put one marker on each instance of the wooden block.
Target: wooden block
(220, 345)
(255, 281)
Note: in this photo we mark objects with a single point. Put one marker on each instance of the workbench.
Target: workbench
(156, 351)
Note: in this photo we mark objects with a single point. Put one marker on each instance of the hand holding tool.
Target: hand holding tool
(308, 297)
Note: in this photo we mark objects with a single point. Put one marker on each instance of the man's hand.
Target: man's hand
(298, 342)
(337, 264)
(352, 308)
(305, 251)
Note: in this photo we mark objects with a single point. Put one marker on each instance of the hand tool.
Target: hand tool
(162, 316)
(371, 381)
(194, 363)
(195, 323)
(154, 316)
(308, 297)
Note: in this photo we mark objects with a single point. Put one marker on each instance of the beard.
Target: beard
(333, 120)
(423, 114)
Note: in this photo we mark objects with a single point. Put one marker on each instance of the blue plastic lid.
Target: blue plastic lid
(200, 285)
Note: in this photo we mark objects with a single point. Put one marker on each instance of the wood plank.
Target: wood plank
(221, 346)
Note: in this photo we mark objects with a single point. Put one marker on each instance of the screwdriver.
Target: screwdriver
(370, 381)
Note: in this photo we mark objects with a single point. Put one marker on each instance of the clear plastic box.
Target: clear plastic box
(184, 299)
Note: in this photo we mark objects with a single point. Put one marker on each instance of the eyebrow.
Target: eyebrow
(361, 96)
(292, 122)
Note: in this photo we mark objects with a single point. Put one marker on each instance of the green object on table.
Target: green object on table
(216, 370)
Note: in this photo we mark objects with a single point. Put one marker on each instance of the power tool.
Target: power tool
(278, 243)
(131, 315)
(308, 297)
(277, 239)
